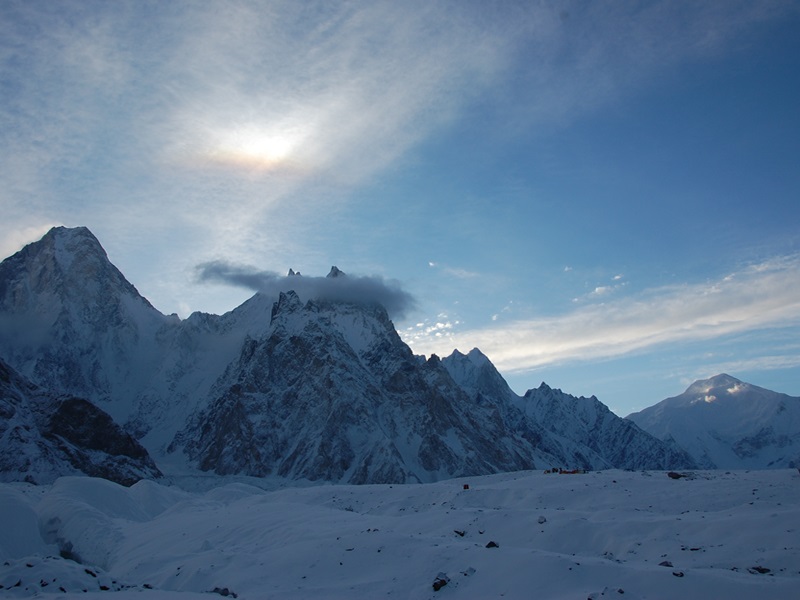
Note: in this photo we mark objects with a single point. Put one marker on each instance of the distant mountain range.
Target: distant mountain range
(304, 388)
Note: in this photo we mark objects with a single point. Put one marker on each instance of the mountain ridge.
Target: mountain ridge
(302, 388)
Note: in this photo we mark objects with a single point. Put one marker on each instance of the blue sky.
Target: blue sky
(599, 195)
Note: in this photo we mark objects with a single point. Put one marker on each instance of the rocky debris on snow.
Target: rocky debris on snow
(607, 590)
(759, 570)
(492, 545)
(52, 575)
(441, 580)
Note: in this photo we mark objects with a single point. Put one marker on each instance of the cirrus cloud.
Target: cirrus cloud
(756, 297)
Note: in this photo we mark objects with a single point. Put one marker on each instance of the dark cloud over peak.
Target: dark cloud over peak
(337, 286)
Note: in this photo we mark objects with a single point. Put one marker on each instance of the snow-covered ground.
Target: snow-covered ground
(598, 535)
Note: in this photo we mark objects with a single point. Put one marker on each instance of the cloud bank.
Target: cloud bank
(342, 288)
(757, 297)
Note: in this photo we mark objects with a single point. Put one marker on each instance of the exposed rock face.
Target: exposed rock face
(333, 393)
(44, 436)
(726, 423)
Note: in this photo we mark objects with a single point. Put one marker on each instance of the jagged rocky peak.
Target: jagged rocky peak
(474, 356)
(288, 302)
(543, 389)
(477, 375)
(293, 273)
(68, 261)
(65, 243)
(335, 272)
(74, 248)
(477, 357)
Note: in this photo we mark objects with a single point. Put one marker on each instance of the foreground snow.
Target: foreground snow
(604, 534)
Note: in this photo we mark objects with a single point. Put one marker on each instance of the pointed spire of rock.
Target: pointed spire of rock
(335, 272)
(287, 302)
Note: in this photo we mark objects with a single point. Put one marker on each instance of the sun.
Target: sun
(262, 148)
(261, 145)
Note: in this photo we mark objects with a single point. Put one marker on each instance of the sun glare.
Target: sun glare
(262, 146)
(258, 147)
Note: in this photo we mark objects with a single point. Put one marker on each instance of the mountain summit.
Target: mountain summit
(71, 322)
(322, 389)
(726, 423)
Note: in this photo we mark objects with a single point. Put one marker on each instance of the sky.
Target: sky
(599, 195)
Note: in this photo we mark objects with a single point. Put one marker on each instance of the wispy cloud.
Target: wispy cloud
(457, 272)
(342, 288)
(18, 238)
(289, 93)
(760, 296)
(243, 124)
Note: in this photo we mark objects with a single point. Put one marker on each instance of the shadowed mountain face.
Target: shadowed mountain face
(301, 388)
(44, 436)
(726, 423)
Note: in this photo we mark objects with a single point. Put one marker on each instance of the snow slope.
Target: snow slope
(637, 535)
(726, 423)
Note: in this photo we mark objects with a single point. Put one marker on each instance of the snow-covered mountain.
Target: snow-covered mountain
(44, 436)
(71, 322)
(729, 424)
(302, 388)
(332, 393)
(579, 432)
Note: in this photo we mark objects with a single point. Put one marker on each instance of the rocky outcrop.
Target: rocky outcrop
(44, 436)
(333, 393)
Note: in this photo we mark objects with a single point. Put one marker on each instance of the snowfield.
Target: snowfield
(609, 534)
